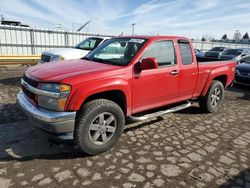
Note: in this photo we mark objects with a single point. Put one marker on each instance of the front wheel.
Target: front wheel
(99, 126)
(214, 97)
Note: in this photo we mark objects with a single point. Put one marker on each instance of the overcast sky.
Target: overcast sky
(191, 18)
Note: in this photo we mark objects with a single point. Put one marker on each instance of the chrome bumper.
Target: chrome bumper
(50, 121)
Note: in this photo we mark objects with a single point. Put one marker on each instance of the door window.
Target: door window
(163, 51)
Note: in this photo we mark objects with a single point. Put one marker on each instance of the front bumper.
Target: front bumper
(50, 121)
(242, 80)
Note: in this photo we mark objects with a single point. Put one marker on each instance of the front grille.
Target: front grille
(31, 82)
(242, 80)
(245, 73)
(29, 94)
(45, 58)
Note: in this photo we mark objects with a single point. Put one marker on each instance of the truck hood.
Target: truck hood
(227, 57)
(55, 72)
(67, 53)
(245, 67)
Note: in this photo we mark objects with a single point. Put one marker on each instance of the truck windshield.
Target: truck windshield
(116, 51)
(89, 44)
(233, 52)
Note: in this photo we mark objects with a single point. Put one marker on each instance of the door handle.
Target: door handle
(174, 72)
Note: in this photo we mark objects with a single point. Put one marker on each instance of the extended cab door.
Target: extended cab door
(188, 70)
(157, 87)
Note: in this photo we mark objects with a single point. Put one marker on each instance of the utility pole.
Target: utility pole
(133, 28)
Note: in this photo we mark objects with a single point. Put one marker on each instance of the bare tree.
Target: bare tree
(208, 37)
(237, 35)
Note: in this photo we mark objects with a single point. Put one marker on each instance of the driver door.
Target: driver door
(157, 87)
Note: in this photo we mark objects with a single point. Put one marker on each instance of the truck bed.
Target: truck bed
(209, 69)
(210, 60)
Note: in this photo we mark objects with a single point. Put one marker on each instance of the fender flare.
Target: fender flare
(88, 89)
(220, 71)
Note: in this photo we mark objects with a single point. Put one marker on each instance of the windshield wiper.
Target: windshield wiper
(104, 61)
(86, 58)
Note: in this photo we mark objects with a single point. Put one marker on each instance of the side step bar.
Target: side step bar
(160, 113)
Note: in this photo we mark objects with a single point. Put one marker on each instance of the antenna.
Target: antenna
(84, 25)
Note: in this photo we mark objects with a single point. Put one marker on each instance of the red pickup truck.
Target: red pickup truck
(137, 77)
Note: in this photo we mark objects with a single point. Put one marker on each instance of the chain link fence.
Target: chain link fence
(205, 46)
(30, 41)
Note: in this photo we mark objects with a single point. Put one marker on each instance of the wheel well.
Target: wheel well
(116, 96)
(222, 78)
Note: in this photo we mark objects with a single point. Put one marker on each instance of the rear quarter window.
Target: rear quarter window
(186, 53)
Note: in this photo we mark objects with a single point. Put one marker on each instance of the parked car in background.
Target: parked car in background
(235, 54)
(79, 51)
(242, 73)
(216, 52)
(244, 59)
(199, 53)
(89, 99)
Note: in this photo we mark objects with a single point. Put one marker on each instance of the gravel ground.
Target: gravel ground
(184, 149)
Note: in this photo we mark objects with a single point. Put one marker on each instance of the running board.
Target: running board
(160, 113)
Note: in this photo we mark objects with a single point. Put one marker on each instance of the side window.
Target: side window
(186, 53)
(88, 44)
(163, 51)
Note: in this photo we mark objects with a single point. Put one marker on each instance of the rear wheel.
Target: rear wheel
(214, 97)
(99, 126)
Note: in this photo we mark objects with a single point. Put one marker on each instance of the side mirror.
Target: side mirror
(149, 63)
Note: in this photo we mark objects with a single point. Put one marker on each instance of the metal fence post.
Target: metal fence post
(66, 39)
(32, 42)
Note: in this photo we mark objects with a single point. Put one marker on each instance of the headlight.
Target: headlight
(53, 103)
(237, 72)
(57, 58)
(237, 58)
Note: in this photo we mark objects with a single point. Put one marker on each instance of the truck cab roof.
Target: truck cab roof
(160, 37)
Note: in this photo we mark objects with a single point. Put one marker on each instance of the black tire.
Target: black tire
(88, 117)
(207, 104)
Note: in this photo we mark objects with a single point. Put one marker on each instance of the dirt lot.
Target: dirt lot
(184, 149)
